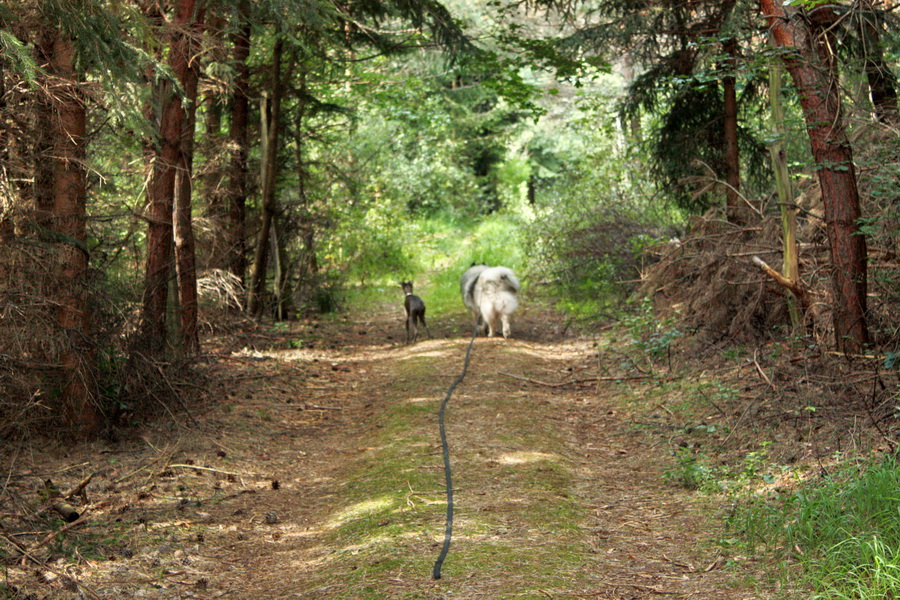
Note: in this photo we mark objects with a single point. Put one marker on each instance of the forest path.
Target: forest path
(316, 473)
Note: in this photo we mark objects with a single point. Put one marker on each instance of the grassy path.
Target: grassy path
(557, 494)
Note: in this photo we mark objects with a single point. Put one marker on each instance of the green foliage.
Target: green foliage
(689, 471)
(693, 471)
(648, 334)
(495, 240)
(593, 211)
(18, 56)
(842, 529)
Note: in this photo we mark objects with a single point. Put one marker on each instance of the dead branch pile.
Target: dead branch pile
(29, 335)
(708, 283)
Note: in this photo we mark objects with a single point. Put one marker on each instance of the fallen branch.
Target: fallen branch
(51, 536)
(206, 469)
(78, 490)
(759, 369)
(22, 549)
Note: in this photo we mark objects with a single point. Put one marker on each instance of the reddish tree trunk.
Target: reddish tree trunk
(185, 254)
(7, 228)
(70, 215)
(43, 136)
(809, 60)
(161, 188)
(240, 119)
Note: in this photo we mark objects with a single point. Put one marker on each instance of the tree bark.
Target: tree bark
(185, 254)
(790, 252)
(43, 135)
(810, 61)
(271, 119)
(161, 188)
(240, 119)
(69, 175)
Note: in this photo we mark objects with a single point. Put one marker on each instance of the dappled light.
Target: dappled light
(519, 458)
(360, 509)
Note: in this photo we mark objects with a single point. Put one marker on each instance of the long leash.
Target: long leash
(448, 532)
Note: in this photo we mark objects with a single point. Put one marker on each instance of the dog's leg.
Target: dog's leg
(412, 332)
(490, 317)
(506, 328)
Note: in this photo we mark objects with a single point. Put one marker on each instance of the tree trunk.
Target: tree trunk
(271, 119)
(215, 194)
(308, 265)
(69, 175)
(790, 253)
(214, 148)
(240, 118)
(810, 61)
(185, 255)
(161, 188)
(735, 208)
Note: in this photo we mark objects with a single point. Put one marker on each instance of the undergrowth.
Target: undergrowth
(837, 535)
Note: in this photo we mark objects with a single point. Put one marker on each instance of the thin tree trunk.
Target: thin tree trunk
(7, 228)
(185, 254)
(309, 266)
(269, 177)
(240, 118)
(161, 188)
(78, 359)
(790, 253)
(735, 208)
(810, 61)
(215, 194)
(214, 147)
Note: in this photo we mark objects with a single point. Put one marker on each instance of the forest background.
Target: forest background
(717, 174)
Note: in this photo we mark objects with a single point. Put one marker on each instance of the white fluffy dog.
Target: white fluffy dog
(491, 293)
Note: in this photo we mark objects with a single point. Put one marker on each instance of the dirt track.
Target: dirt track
(315, 473)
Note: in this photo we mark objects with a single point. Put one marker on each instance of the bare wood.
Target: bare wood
(66, 511)
(79, 489)
(800, 292)
(763, 374)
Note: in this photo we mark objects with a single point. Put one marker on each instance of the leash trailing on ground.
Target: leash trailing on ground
(448, 478)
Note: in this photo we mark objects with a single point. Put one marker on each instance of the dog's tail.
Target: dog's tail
(504, 279)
